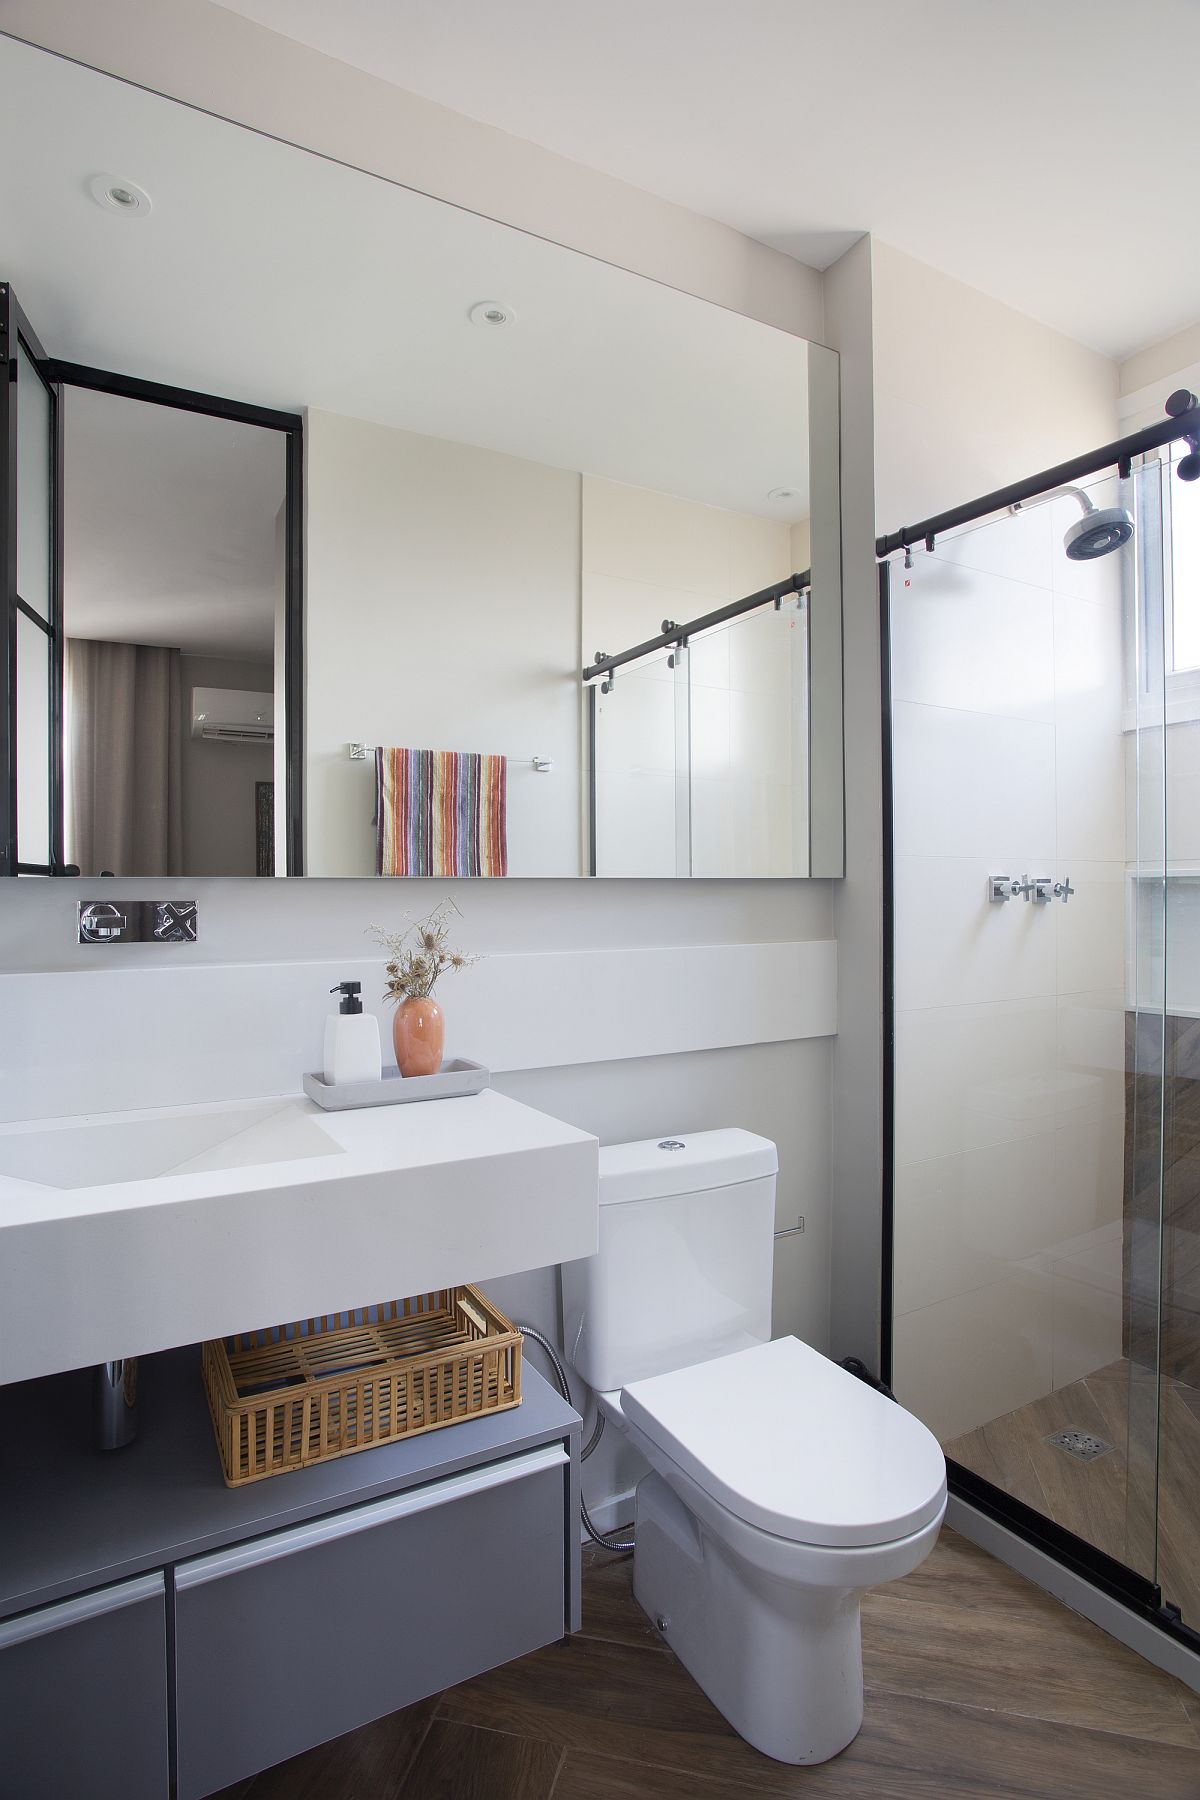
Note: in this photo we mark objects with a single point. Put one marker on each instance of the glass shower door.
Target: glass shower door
(641, 806)
(1169, 975)
(1028, 859)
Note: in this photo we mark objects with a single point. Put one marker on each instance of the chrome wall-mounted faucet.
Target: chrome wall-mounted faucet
(1041, 888)
(137, 922)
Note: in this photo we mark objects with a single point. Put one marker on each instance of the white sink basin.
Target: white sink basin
(87, 1155)
(126, 1233)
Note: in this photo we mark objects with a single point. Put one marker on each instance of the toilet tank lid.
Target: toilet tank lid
(694, 1162)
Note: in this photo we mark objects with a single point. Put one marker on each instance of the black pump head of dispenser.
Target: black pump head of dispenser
(349, 990)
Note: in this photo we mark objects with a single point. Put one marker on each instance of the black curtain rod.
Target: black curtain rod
(1121, 454)
(679, 634)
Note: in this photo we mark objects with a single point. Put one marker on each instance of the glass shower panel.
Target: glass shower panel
(1015, 851)
(749, 750)
(640, 774)
(1169, 973)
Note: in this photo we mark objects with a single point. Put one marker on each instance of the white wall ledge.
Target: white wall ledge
(121, 1038)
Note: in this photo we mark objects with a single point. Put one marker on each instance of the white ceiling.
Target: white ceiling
(169, 529)
(1042, 150)
(272, 275)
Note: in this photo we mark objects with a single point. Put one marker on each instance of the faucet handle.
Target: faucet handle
(1003, 887)
(1063, 889)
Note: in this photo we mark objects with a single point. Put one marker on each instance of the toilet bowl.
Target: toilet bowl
(781, 1487)
(767, 1620)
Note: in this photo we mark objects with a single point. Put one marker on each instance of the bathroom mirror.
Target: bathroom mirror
(409, 654)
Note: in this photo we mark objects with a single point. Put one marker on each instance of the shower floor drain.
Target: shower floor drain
(1081, 1444)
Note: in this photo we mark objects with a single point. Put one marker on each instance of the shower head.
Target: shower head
(1101, 529)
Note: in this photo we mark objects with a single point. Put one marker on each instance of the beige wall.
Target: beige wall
(442, 614)
(857, 1140)
(969, 394)
(1167, 361)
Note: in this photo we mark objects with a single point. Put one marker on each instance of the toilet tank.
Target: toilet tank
(683, 1272)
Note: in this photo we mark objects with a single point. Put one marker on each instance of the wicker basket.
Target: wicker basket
(298, 1394)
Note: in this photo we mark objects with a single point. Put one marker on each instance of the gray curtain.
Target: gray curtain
(124, 758)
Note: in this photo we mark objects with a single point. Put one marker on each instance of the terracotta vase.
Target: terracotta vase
(419, 1035)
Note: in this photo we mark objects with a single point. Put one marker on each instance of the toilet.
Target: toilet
(782, 1487)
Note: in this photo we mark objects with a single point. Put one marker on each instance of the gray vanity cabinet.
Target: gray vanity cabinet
(84, 1697)
(141, 1600)
(292, 1639)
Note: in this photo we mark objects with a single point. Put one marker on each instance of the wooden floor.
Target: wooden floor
(979, 1686)
(1137, 1502)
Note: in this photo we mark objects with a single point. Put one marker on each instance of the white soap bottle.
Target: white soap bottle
(352, 1050)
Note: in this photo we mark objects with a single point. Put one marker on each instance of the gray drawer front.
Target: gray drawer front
(296, 1638)
(83, 1697)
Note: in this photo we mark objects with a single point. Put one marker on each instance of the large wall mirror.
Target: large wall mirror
(351, 533)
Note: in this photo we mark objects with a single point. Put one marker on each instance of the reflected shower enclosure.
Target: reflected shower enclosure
(702, 753)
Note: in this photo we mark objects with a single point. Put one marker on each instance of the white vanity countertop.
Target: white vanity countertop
(149, 1229)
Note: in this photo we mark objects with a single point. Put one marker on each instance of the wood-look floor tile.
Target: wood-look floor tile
(367, 1764)
(913, 1749)
(609, 1608)
(461, 1762)
(1043, 1662)
(1179, 1502)
(1012, 1452)
(959, 1573)
(586, 1694)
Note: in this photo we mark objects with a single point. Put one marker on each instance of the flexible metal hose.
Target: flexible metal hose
(564, 1388)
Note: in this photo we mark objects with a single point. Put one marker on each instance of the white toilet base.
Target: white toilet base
(782, 1660)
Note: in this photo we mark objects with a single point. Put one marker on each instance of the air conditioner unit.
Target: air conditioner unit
(233, 715)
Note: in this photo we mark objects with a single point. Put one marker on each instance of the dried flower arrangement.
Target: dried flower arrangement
(421, 953)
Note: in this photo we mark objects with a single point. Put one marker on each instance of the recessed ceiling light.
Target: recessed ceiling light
(120, 196)
(784, 494)
(490, 312)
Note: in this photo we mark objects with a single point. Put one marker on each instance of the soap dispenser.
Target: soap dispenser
(352, 1050)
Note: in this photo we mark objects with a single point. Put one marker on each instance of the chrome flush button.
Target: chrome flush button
(672, 1144)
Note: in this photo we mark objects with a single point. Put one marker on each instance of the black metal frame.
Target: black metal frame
(887, 1254)
(108, 381)
(16, 330)
(676, 636)
(1103, 1572)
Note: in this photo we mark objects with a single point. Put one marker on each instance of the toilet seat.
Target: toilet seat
(788, 1442)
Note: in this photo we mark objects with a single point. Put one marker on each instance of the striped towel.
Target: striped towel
(440, 812)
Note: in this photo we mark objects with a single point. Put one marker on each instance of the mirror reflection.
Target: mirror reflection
(519, 464)
(173, 553)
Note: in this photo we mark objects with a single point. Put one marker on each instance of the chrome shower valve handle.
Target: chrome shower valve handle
(1063, 889)
(1003, 887)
